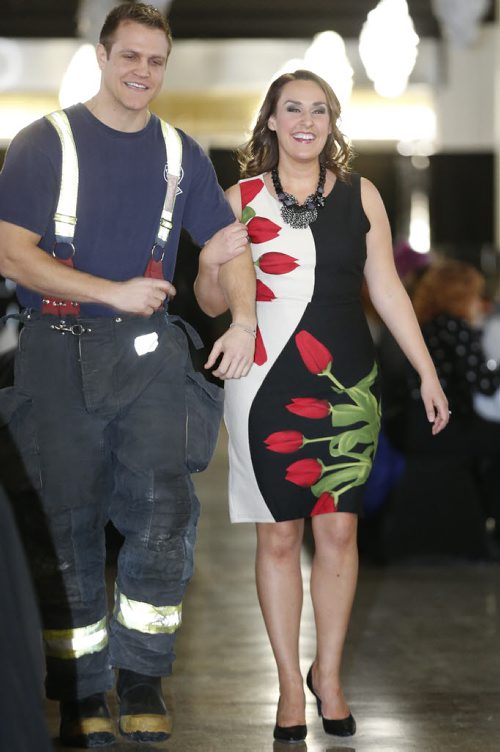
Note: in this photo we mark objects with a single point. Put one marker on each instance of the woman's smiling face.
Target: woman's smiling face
(301, 120)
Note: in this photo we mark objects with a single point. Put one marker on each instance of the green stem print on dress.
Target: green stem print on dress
(359, 416)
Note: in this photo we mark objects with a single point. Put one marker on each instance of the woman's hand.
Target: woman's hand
(225, 245)
(435, 403)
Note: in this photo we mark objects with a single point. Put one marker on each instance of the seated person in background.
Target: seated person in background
(449, 486)
(488, 406)
(410, 264)
(448, 302)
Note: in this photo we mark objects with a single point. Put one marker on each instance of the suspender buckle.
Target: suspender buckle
(68, 252)
(157, 253)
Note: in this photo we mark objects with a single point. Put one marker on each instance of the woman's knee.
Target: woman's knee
(280, 539)
(337, 531)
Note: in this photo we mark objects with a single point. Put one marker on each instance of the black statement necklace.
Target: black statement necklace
(300, 216)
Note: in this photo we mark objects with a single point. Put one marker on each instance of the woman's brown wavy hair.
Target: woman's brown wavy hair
(448, 286)
(260, 154)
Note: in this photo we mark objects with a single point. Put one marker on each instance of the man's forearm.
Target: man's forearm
(207, 290)
(35, 269)
(230, 285)
(24, 262)
(237, 281)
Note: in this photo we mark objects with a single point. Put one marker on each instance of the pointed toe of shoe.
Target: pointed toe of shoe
(342, 727)
(290, 734)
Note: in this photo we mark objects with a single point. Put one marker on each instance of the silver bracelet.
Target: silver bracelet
(246, 329)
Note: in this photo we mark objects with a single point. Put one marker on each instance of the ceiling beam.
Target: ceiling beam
(222, 19)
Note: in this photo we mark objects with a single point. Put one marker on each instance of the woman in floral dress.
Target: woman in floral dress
(303, 425)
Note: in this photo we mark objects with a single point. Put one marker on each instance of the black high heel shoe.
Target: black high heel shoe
(342, 727)
(290, 734)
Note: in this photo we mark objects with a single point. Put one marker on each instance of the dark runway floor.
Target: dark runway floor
(422, 663)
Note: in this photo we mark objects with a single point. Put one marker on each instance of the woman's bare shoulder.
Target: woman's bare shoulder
(233, 195)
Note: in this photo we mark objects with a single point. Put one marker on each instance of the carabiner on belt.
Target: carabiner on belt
(76, 329)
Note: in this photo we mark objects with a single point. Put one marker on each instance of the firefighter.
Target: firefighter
(92, 201)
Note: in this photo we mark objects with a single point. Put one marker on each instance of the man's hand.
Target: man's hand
(238, 348)
(141, 295)
(225, 245)
(24, 262)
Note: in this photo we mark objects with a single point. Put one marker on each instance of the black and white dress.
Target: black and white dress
(303, 425)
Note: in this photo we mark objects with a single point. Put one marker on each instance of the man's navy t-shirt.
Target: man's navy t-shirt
(121, 190)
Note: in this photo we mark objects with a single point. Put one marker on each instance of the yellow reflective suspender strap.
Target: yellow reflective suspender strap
(173, 147)
(158, 266)
(73, 643)
(146, 618)
(65, 216)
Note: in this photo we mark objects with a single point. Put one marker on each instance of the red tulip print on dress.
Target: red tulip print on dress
(264, 293)
(249, 190)
(260, 230)
(275, 262)
(309, 407)
(260, 356)
(317, 358)
(284, 441)
(304, 473)
(325, 504)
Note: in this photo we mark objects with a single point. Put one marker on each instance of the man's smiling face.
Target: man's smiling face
(132, 74)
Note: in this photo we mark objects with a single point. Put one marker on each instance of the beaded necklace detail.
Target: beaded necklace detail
(300, 216)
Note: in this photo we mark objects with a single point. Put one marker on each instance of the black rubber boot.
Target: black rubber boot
(143, 714)
(86, 723)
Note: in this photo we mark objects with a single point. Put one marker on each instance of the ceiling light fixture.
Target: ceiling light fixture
(388, 47)
(327, 57)
(460, 19)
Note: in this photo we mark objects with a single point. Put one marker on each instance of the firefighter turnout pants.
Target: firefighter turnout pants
(97, 419)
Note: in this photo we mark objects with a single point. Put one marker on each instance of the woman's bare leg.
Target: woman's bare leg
(333, 584)
(279, 587)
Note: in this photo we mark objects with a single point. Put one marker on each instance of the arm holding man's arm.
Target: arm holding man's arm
(226, 279)
(225, 246)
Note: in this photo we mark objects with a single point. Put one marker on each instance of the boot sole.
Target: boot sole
(146, 727)
(88, 733)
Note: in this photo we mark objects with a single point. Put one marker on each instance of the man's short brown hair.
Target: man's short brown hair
(147, 15)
